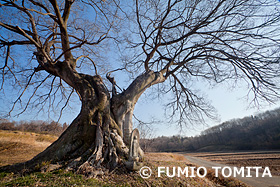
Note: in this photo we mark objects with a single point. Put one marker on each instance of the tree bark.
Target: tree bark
(99, 137)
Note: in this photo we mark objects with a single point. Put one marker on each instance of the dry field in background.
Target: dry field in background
(16, 146)
(248, 158)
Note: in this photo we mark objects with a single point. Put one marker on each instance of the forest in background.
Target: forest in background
(36, 126)
(258, 132)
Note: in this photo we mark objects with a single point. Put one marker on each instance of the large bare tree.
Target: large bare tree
(172, 44)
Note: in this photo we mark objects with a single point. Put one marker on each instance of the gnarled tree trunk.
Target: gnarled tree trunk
(99, 137)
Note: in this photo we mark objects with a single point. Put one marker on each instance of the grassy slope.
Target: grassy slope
(16, 146)
(21, 146)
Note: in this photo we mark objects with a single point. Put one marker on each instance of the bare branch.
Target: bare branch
(86, 56)
(16, 29)
(18, 99)
(67, 8)
(66, 103)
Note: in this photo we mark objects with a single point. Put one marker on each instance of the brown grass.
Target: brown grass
(22, 146)
(16, 146)
(164, 157)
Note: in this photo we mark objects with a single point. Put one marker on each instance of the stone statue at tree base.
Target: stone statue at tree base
(136, 154)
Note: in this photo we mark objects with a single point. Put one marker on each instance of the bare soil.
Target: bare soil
(269, 159)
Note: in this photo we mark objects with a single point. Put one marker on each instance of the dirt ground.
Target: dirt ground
(248, 158)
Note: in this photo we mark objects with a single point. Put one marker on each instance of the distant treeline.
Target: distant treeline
(33, 126)
(258, 132)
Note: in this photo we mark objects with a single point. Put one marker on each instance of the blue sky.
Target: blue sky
(230, 103)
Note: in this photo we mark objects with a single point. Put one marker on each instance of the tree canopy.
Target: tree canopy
(186, 41)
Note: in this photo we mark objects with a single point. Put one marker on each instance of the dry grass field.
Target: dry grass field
(16, 146)
(22, 146)
(248, 158)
